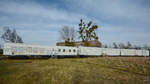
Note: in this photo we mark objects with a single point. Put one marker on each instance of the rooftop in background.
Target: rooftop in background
(93, 43)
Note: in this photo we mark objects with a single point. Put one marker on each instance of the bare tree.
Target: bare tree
(68, 34)
(105, 46)
(0, 38)
(136, 47)
(121, 46)
(129, 46)
(15, 37)
(115, 45)
(6, 36)
(11, 36)
(145, 46)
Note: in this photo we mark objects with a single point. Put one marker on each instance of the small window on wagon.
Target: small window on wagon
(74, 50)
(69, 50)
(59, 50)
(63, 50)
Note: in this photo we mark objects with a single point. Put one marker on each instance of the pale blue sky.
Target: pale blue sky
(38, 21)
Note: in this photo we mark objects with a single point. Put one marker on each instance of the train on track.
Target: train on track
(20, 49)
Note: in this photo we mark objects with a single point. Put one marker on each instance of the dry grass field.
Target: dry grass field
(96, 70)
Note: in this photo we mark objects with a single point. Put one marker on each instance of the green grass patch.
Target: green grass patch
(98, 70)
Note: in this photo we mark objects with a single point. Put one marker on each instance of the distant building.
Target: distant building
(93, 43)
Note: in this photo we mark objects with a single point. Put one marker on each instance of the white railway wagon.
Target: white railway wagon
(65, 51)
(145, 52)
(139, 52)
(23, 49)
(89, 51)
(16, 49)
(128, 52)
(12, 49)
(94, 51)
(111, 52)
(133, 52)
